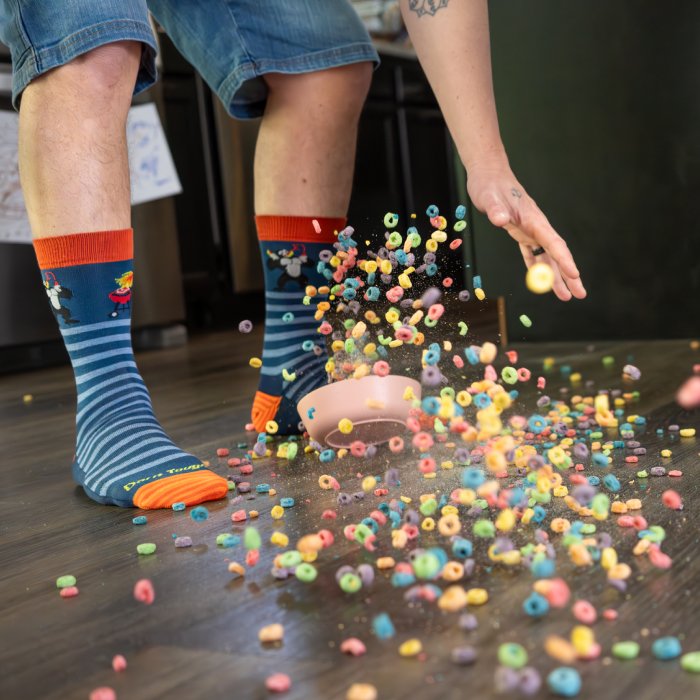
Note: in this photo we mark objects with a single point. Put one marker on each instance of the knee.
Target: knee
(353, 82)
(332, 97)
(105, 75)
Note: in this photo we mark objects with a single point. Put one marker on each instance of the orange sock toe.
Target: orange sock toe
(190, 488)
(264, 409)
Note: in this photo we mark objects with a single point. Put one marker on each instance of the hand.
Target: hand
(494, 190)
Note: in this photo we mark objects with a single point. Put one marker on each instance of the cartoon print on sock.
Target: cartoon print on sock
(291, 265)
(122, 296)
(56, 293)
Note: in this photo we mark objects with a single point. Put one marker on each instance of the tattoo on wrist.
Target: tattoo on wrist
(426, 7)
(516, 192)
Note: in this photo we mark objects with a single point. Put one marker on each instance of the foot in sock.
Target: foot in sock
(294, 355)
(122, 456)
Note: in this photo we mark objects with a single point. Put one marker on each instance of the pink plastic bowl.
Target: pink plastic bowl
(375, 405)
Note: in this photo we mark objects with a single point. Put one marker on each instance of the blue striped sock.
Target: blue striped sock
(292, 344)
(122, 456)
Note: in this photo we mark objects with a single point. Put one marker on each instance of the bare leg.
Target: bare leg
(75, 177)
(72, 143)
(304, 164)
(305, 155)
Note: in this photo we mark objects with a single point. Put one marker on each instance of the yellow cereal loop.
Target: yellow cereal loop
(477, 596)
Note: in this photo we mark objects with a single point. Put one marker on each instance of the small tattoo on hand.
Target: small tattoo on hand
(516, 192)
(426, 7)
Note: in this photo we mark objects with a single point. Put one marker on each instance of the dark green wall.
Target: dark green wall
(599, 105)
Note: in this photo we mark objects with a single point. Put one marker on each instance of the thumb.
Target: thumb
(497, 211)
(498, 215)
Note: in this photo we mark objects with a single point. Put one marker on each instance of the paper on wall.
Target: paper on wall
(14, 225)
(151, 166)
(152, 171)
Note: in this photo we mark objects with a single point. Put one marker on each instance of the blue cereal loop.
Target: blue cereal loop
(327, 455)
(536, 423)
(611, 482)
(199, 513)
(139, 520)
(482, 400)
(179, 506)
(564, 681)
(536, 605)
(383, 626)
(263, 488)
(471, 355)
(286, 502)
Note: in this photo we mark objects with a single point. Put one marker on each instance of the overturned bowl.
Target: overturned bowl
(375, 405)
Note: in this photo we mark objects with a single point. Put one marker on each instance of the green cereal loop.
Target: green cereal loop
(596, 435)
(600, 503)
(384, 340)
(655, 533)
(426, 566)
(509, 375)
(292, 450)
(588, 529)
(306, 572)
(570, 538)
(350, 583)
(460, 225)
(65, 581)
(349, 323)
(349, 345)
(481, 503)
(428, 507)
(396, 325)
(335, 290)
(512, 655)
(525, 320)
(644, 474)
(362, 532)
(413, 239)
(290, 559)
(625, 650)
(690, 662)
(251, 538)
(146, 548)
(484, 528)
(430, 322)
(447, 391)
(391, 219)
(463, 328)
(395, 239)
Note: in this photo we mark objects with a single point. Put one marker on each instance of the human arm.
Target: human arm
(451, 38)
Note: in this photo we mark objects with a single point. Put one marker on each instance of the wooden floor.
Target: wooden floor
(199, 638)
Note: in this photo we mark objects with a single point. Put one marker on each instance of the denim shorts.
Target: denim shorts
(232, 43)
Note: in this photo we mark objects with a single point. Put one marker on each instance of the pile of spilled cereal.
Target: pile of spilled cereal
(504, 478)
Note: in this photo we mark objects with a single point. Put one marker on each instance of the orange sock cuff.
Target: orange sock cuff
(264, 409)
(84, 248)
(299, 229)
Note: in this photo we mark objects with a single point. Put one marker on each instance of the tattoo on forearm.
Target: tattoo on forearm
(516, 192)
(426, 7)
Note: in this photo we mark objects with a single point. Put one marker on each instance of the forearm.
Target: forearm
(454, 49)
